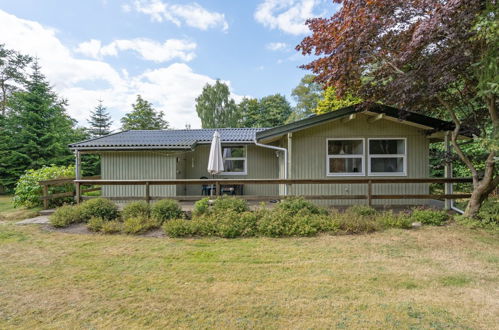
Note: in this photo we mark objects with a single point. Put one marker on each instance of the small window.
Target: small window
(387, 156)
(345, 157)
(234, 160)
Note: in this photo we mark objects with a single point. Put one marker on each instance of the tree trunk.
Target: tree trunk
(479, 195)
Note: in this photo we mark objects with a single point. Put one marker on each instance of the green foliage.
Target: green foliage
(179, 228)
(362, 210)
(201, 207)
(349, 222)
(28, 191)
(65, 216)
(294, 205)
(166, 209)
(278, 223)
(249, 109)
(98, 207)
(136, 209)
(274, 111)
(111, 227)
(429, 216)
(95, 223)
(391, 220)
(139, 225)
(488, 216)
(100, 121)
(12, 66)
(307, 95)
(215, 108)
(331, 102)
(143, 117)
(36, 131)
(225, 204)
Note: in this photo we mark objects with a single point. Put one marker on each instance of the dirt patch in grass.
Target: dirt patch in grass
(435, 277)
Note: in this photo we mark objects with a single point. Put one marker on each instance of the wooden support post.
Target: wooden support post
(369, 193)
(217, 188)
(45, 195)
(78, 192)
(148, 196)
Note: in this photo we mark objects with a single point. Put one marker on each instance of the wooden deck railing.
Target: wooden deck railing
(369, 196)
(46, 197)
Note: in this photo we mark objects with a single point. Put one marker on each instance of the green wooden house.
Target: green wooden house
(363, 141)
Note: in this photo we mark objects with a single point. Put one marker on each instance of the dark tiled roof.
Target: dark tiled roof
(167, 139)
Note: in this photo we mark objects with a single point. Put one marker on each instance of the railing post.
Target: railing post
(148, 196)
(45, 195)
(78, 192)
(217, 185)
(370, 193)
(448, 172)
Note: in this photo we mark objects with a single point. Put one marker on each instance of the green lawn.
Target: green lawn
(9, 213)
(435, 277)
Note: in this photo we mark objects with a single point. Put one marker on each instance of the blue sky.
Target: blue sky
(165, 50)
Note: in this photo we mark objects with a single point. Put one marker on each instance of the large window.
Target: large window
(387, 156)
(234, 160)
(345, 157)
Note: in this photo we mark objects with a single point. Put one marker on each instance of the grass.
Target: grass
(434, 277)
(9, 213)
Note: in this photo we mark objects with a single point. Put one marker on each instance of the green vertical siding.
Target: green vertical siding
(309, 158)
(138, 165)
(262, 164)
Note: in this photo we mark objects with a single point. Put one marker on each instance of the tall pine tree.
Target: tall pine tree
(36, 132)
(143, 116)
(100, 121)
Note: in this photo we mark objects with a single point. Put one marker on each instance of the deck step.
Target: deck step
(46, 212)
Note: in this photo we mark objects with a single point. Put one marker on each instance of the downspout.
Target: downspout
(285, 151)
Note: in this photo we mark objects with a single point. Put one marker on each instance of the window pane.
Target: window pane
(233, 152)
(387, 165)
(344, 147)
(384, 147)
(345, 165)
(234, 165)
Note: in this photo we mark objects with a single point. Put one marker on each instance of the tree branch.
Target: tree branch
(455, 134)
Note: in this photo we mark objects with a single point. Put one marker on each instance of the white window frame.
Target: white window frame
(245, 172)
(404, 157)
(362, 156)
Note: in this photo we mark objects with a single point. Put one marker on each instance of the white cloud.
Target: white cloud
(148, 49)
(172, 88)
(276, 46)
(286, 15)
(193, 14)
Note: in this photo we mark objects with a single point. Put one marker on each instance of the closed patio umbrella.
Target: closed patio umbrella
(215, 161)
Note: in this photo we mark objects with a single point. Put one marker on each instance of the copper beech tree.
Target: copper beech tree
(434, 56)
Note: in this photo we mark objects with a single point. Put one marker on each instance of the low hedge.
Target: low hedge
(65, 216)
(100, 208)
(166, 209)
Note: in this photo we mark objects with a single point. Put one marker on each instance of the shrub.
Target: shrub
(98, 207)
(352, 223)
(139, 225)
(391, 220)
(232, 224)
(294, 205)
(95, 223)
(179, 228)
(429, 216)
(65, 216)
(111, 227)
(28, 192)
(277, 223)
(224, 204)
(489, 212)
(201, 207)
(136, 209)
(166, 209)
(362, 210)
